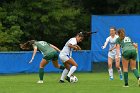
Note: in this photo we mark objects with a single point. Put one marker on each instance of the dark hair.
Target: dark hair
(113, 28)
(80, 35)
(27, 45)
(121, 31)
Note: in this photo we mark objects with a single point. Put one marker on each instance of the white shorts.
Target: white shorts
(113, 55)
(64, 58)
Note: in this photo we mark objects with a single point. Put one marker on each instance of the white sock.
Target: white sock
(72, 69)
(110, 72)
(64, 73)
(120, 71)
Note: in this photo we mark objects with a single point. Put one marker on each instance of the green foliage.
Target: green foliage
(10, 37)
(54, 21)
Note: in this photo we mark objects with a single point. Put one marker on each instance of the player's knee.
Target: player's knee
(41, 65)
(57, 66)
(117, 66)
(109, 65)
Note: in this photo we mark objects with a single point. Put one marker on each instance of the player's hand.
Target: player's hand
(110, 49)
(31, 61)
(103, 47)
(76, 48)
(135, 45)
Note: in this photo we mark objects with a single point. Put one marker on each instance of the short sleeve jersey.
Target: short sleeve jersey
(126, 44)
(112, 41)
(66, 49)
(44, 47)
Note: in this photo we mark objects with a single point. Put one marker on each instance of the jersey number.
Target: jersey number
(127, 39)
(43, 43)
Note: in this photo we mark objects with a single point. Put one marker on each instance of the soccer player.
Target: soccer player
(112, 53)
(128, 55)
(66, 56)
(49, 52)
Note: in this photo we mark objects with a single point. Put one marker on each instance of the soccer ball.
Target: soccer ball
(73, 79)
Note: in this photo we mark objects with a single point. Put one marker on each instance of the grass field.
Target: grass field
(88, 83)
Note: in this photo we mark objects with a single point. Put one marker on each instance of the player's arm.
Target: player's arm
(79, 48)
(73, 46)
(57, 49)
(117, 47)
(105, 44)
(113, 48)
(34, 53)
(135, 45)
(117, 50)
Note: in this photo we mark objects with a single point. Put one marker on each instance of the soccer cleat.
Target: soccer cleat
(40, 81)
(61, 81)
(121, 77)
(125, 86)
(139, 82)
(68, 79)
(111, 78)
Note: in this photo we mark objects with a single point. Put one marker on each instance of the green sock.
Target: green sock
(62, 67)
(41, 73)
(135, 71)
(126, 78)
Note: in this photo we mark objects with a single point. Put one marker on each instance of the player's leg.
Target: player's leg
(55, 62)
(133, 65)
(133, 68)
(41, 70)
(135, 71)
(64, 58)
(125, 70)
(64, 73)
(110, 70)
(117, 60)
(56, 65)
(72, 69)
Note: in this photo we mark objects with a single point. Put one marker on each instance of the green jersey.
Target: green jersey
(44, 47)
(126, 44)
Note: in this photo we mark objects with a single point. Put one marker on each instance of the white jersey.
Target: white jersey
(112, 42)
(66, 49)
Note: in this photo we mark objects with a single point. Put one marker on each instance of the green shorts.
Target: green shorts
(51, 56)
(130, 54)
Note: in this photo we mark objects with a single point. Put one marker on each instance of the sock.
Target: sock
(110, 72)
(64, 73)
(126, 78)
(62, 67)
(72, 69)
(135, 71)
(120, 71)
(41, 73)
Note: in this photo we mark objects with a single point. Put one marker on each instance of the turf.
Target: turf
(88, 83)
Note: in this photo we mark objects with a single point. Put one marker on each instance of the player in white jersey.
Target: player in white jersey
(66, 56)
(112, 53)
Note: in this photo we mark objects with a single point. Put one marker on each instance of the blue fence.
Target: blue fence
(17, 62)
(102, 24)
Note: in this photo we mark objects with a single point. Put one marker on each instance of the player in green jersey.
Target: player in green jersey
(128, 55)
(49, 52)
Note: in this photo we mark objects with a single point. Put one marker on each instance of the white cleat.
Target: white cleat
(139, 82)
(111, 78)
(40, 81)
(125, 86)
(121, 77)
